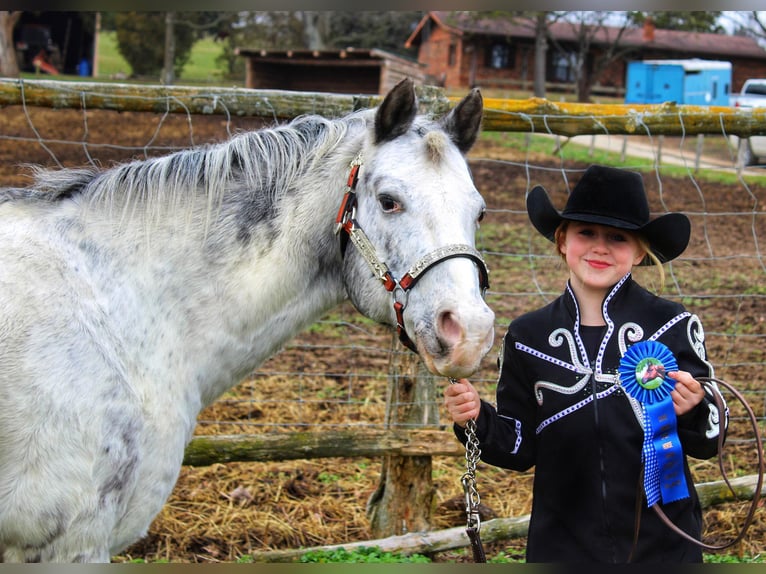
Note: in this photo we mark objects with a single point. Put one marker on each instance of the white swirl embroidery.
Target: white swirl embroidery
(556, 339)
(696, 335)
(628, 333)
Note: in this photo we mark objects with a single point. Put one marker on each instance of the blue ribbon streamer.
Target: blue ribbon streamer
(643, 374)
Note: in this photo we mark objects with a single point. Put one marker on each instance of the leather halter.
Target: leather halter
(346, 222)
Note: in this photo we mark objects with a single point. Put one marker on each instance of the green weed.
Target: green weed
(361, 554)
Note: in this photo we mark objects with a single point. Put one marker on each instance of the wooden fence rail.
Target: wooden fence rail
(207, 450)
(531, 115)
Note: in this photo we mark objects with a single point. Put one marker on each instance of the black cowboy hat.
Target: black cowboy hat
(614, 197)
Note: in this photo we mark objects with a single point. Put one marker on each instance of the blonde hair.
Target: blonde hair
(558, 239)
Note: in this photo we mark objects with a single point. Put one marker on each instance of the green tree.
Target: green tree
(365, 29)
(260, 31)
(324, 30)
(140, 37)
(698, 21)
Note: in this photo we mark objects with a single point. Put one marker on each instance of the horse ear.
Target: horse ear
(395, 114)
(463, 123)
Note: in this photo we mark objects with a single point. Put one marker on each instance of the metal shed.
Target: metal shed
(340, 71)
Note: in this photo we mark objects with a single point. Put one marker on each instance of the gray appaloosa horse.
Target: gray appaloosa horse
(132, 297)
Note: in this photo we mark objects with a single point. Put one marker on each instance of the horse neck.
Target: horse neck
(221, 296)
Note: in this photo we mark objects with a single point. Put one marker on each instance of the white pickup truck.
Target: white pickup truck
(753, 95)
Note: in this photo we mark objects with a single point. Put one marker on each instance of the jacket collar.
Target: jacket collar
(570, 302)
(573, 306)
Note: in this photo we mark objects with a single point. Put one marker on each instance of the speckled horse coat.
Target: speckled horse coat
(130, 298)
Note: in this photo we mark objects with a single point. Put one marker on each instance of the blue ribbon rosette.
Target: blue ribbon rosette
(643, 373)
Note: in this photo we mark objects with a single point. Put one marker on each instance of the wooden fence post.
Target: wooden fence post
(404, 497)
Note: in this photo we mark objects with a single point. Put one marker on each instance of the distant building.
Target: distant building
(350, 71)
(55, 42)
(460, 50)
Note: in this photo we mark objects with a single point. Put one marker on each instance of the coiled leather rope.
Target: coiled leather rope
(710, 384)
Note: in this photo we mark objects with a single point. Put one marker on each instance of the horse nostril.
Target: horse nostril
(449, 329)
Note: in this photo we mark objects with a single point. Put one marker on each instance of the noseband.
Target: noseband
(346, 222)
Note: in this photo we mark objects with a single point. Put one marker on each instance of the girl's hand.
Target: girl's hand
(462, 402)
(687, 394)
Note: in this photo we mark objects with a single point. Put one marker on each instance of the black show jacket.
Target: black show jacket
(570, 419)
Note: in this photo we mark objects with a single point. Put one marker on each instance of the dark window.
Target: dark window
(500, 56)
(563, 67)
(452, 57)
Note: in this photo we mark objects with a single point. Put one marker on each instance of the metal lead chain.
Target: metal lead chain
(472, 499)
(468, 480)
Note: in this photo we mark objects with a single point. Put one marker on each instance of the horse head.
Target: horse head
(411, 213)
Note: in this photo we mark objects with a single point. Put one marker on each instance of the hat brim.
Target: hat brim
(667, 235)
(543, 215)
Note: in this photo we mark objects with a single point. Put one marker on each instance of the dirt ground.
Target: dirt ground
(225, 512)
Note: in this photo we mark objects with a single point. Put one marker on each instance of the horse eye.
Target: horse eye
(388, 204)
(481, 216)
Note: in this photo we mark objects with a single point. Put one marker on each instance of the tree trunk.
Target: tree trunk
(541, 47)
(313, 26)
(168, 69)
(404, 497)
(583, 87)
(9, 65)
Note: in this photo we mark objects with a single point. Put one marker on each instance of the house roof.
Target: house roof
(350, 55)
(698, 43)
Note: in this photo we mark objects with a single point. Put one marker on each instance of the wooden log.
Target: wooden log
(537, 115)
(347, 443)
(271, 104)
(414, 542)
(711, 493)
(570, 119)
(717, 492)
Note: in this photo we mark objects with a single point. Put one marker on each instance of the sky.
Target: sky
(226, 5)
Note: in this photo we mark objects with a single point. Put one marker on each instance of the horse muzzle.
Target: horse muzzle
(458, 340)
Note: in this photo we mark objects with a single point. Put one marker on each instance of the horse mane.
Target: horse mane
(268, 159)
(253, 168)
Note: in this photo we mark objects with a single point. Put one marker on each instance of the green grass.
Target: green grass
(582, 153)
(201, 67)
(110, 61)
(362, 554)
(733, 559)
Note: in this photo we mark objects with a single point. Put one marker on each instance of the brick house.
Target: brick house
(460, 50)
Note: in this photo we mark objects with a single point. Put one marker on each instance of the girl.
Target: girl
(562, 405)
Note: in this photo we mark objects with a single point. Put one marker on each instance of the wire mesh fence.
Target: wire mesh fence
(335, 374)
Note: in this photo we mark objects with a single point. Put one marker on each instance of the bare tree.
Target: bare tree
(588, 28)
(758, 20)
(168, 68)
(9, 66)
(314, 29)
(541, 47)
(540, 22)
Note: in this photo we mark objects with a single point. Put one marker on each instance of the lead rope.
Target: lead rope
(472, 499)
